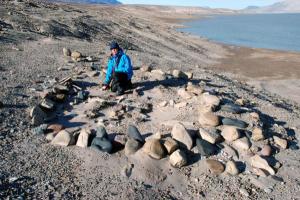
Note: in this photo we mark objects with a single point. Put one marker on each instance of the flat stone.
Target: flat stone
(230, 133)
(282, 143)
(83, 138)
(211, 136)
(242, 144)
(259, 162)
(180, 134)
(208, 119)
(232, 108)
(257, 134)
(231, 168)
(132, 146)
(170, 145)
(66, 52)
(47, 104)
(184, 94)
(215, 167)
(234, 122)
(134, 133)
(205, 148)
(154, 149)
(266, 150)
(63, 138)
(178, 159)
(102, 144)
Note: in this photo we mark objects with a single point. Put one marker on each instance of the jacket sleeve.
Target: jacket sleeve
(109, 72)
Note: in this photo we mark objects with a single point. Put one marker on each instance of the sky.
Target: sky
(233, 4)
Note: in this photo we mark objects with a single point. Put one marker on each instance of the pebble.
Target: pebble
(179, 74)
(178, 159)
(215, 167)
(257, 134)
(259, 162)
(63, 138)
(282, 143)
(181, 104)
(240, 102)
(234, 122)
(230, 133)
(83, 138)
(127, 170)
(242, 144)
(154, 149)
(180, 134)
(76, 55)
(55, 128)
(205, 148)
(266, 150)
(134, 133)
(163, 104)
(146, 68)
(66, 52)
(211, 136)
(132, 146)
(231, 168)
(244, 192)
(208, 119)
(170, 145)
(254, 116)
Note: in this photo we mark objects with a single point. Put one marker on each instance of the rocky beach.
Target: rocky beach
(198, 123)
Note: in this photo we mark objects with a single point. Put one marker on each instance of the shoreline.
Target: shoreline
(253, 65)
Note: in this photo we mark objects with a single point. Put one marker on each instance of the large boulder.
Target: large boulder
(180, 134)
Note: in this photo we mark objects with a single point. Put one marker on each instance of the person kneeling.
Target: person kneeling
(119, 71)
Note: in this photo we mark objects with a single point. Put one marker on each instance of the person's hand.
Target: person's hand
(105, 87)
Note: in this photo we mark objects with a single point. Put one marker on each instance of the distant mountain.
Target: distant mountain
(88, 1)
(287, 6)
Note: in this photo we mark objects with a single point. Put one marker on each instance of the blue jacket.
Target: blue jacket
(124, 66)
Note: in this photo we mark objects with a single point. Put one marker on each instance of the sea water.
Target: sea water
(271, 31)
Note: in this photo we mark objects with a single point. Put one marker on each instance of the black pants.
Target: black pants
(120, 82)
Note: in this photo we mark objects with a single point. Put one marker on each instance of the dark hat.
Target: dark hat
(114, 45)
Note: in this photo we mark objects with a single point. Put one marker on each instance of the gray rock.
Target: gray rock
(101, 132)
(234, 122)
(132, 146)
(134, 133)
(205, 148)
(102, 144)
(40, 129)
(232, 108)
